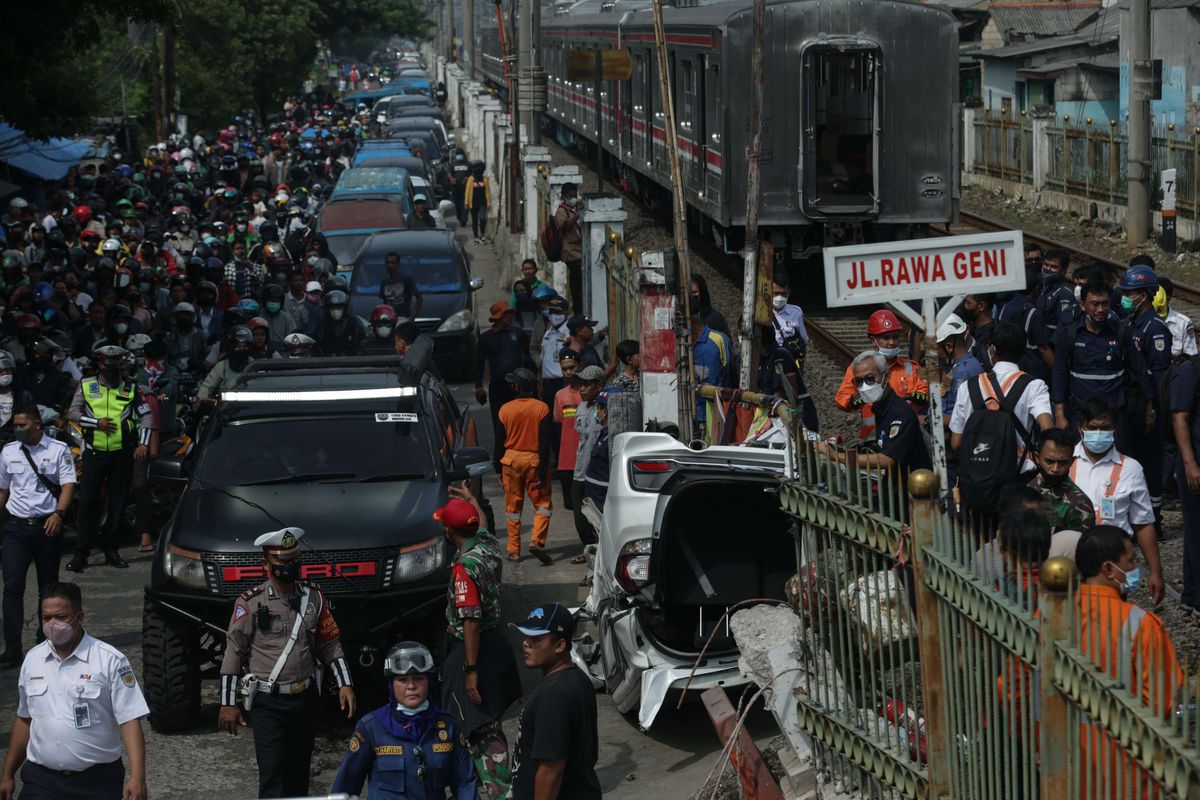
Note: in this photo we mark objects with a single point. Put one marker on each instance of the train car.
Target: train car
(860, 113)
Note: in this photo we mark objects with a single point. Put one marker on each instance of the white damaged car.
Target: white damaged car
(685, 535)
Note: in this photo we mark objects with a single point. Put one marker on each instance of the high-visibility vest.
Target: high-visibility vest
(116, 403)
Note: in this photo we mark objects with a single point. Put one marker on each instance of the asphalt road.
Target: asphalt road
(672, 760)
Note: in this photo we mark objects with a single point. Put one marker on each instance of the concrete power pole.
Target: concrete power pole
(1137, 219)
(469, 37)
(531, 92)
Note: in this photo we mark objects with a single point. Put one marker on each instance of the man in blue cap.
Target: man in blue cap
(1143, 426)
(557, 739)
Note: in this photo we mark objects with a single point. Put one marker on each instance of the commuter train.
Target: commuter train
(860, 113)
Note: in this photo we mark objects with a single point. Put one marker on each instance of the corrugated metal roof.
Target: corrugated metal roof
(1158, 5)
(1105, 61)
(1041, 19)
(1102, 30)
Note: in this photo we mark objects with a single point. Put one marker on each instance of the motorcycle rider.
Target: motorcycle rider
(280, 322)
(339, 334)
(226, 372)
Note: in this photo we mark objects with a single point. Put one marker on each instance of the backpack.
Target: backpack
(987, 461)
(551, 239)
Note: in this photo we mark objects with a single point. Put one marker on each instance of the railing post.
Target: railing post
(968, 153)
(925, 507)
(1054, 619)
(1041, 148)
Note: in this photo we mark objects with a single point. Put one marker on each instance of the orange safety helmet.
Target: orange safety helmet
(881, 322)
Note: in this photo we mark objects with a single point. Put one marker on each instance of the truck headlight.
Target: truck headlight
(458, 321)
(185, 567)
(420, 560)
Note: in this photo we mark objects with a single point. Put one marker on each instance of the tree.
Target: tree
(355, 27)
(54, 59)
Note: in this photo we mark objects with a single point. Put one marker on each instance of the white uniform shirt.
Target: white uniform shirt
(49, 690)
(1034, 402)
(790, 322)
(27, 497)
(553, 341)
(1183, 333)
(1128, 500)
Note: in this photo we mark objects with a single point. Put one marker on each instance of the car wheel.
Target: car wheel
(170, 671)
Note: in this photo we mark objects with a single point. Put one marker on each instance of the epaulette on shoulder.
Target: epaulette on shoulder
(251, 592)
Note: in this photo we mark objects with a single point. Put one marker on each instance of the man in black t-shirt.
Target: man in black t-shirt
(557, 740)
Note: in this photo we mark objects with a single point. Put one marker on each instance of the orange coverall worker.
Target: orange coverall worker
(903, 374)
(525, 467)
(1127, 642)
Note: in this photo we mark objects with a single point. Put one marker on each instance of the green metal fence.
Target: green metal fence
(624, 297)
(1004, 146)
(946, 659)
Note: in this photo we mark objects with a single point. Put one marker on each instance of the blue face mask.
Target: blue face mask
(1133, 579)
(1098, 442)
(273, 308)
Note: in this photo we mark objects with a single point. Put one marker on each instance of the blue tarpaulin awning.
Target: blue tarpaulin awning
(46, 160)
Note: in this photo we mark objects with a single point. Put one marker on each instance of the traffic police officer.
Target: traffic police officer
(78, 702)
(407, 747)
(117, 427)
(37, 482)
(1151, 358)
(1091, 356)
(278, 632)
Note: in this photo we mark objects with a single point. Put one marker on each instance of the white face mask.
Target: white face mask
(571, 201)
(6, 380)
(872, 393)
(120, 328)
(336, 314)
(889, 352)
(1078, 293)
(779, 301)
(557, 319)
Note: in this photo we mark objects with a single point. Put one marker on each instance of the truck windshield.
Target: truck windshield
(311, 450)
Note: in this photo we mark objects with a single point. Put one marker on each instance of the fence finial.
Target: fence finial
(1055, 573)
(922, 483)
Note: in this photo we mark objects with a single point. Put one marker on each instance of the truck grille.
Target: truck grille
(339, 572)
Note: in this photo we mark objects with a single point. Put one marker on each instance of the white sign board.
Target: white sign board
(1167, 182)
(924, 268)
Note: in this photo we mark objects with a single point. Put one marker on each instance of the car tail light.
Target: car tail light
(633, 565)
(649, 475)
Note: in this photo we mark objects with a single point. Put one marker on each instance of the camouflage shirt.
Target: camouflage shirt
(475, 584)
(1067, 507)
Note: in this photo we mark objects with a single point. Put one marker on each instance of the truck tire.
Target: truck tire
(170, 671)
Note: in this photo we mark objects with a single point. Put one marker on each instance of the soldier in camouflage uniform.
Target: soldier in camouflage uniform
(479, 673)
(1064, 503)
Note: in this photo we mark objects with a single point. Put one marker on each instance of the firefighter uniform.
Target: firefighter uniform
(903, 376)
(107, 457)
(283, 710)
(524, 467)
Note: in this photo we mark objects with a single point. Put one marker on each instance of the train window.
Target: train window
(688, 79)
(841, 148)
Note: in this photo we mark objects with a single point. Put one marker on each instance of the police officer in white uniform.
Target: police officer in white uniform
(37, 482)
(78, 703)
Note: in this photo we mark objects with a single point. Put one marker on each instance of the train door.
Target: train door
(685, 119)
(841, 138)
(700, 123)
(648, 71)
(626, 128)
(714, 125)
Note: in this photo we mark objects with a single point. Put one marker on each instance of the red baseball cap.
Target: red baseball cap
(458, 515)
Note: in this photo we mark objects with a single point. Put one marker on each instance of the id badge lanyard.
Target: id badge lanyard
(1108, 504)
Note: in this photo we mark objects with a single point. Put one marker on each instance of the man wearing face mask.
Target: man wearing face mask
(340, 333)
(227, 370)
(408, 737)
(1143, 428)
(1057, 298)
(37, 482)
(903, 374)
(552, 342)
(1021, 310)
(788, 319)
(41, 382)
(1128, 644)
(117, 428)
(1116, 485)
(280, 631)
(1065, 505)
(79, 703)
(1093, 358)
(954, 344)
(281, 323)
(8, 397)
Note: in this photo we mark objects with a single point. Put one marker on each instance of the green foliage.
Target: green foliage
(355, 27)
(53, 59)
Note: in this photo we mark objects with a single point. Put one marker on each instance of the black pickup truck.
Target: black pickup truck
(358, 452)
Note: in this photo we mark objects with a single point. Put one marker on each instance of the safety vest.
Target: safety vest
(116, 403)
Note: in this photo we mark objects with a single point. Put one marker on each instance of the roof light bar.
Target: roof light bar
(319, 396)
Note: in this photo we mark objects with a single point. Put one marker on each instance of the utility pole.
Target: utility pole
(528, 70)
(1137, 215)
(469, 37)
(687, 383)
(750, 265)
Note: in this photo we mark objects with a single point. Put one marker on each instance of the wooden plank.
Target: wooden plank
(757, 781)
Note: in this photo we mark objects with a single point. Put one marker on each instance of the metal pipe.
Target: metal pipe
(774, 404)
(468, 34)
